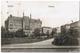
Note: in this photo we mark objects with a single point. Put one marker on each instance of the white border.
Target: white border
(30, 0)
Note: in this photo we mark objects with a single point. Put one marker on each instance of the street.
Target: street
(43, 46)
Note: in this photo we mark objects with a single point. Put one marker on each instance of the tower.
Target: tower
(29, 24)
(22, 21)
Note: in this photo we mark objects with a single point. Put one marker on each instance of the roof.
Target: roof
(76, 22)
(25, 18)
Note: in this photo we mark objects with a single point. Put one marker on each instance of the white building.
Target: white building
(46, 29)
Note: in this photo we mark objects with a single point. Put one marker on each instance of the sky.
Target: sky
(62, 12)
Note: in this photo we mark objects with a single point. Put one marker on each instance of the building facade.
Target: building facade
(28, 25)
(65, 28)
(46, 30)
(58, 30)
(13, 23)
(73, 27)
(76, 26)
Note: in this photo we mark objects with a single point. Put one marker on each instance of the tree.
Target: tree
(36, 32)
(10, 34)
(53, 31)
(67, 39)
(47, 33)
(20, 33)
(3, 32)
(73, 32)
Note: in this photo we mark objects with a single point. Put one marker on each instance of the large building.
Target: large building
(65, 28)
(13, 23)
(26, 23)
(76, 26)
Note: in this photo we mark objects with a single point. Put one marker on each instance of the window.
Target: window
(11, 28)
(11, 24)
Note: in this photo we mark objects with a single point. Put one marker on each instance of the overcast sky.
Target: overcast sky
(62, 12)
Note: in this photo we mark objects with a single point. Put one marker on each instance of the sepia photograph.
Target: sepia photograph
(40, 26)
